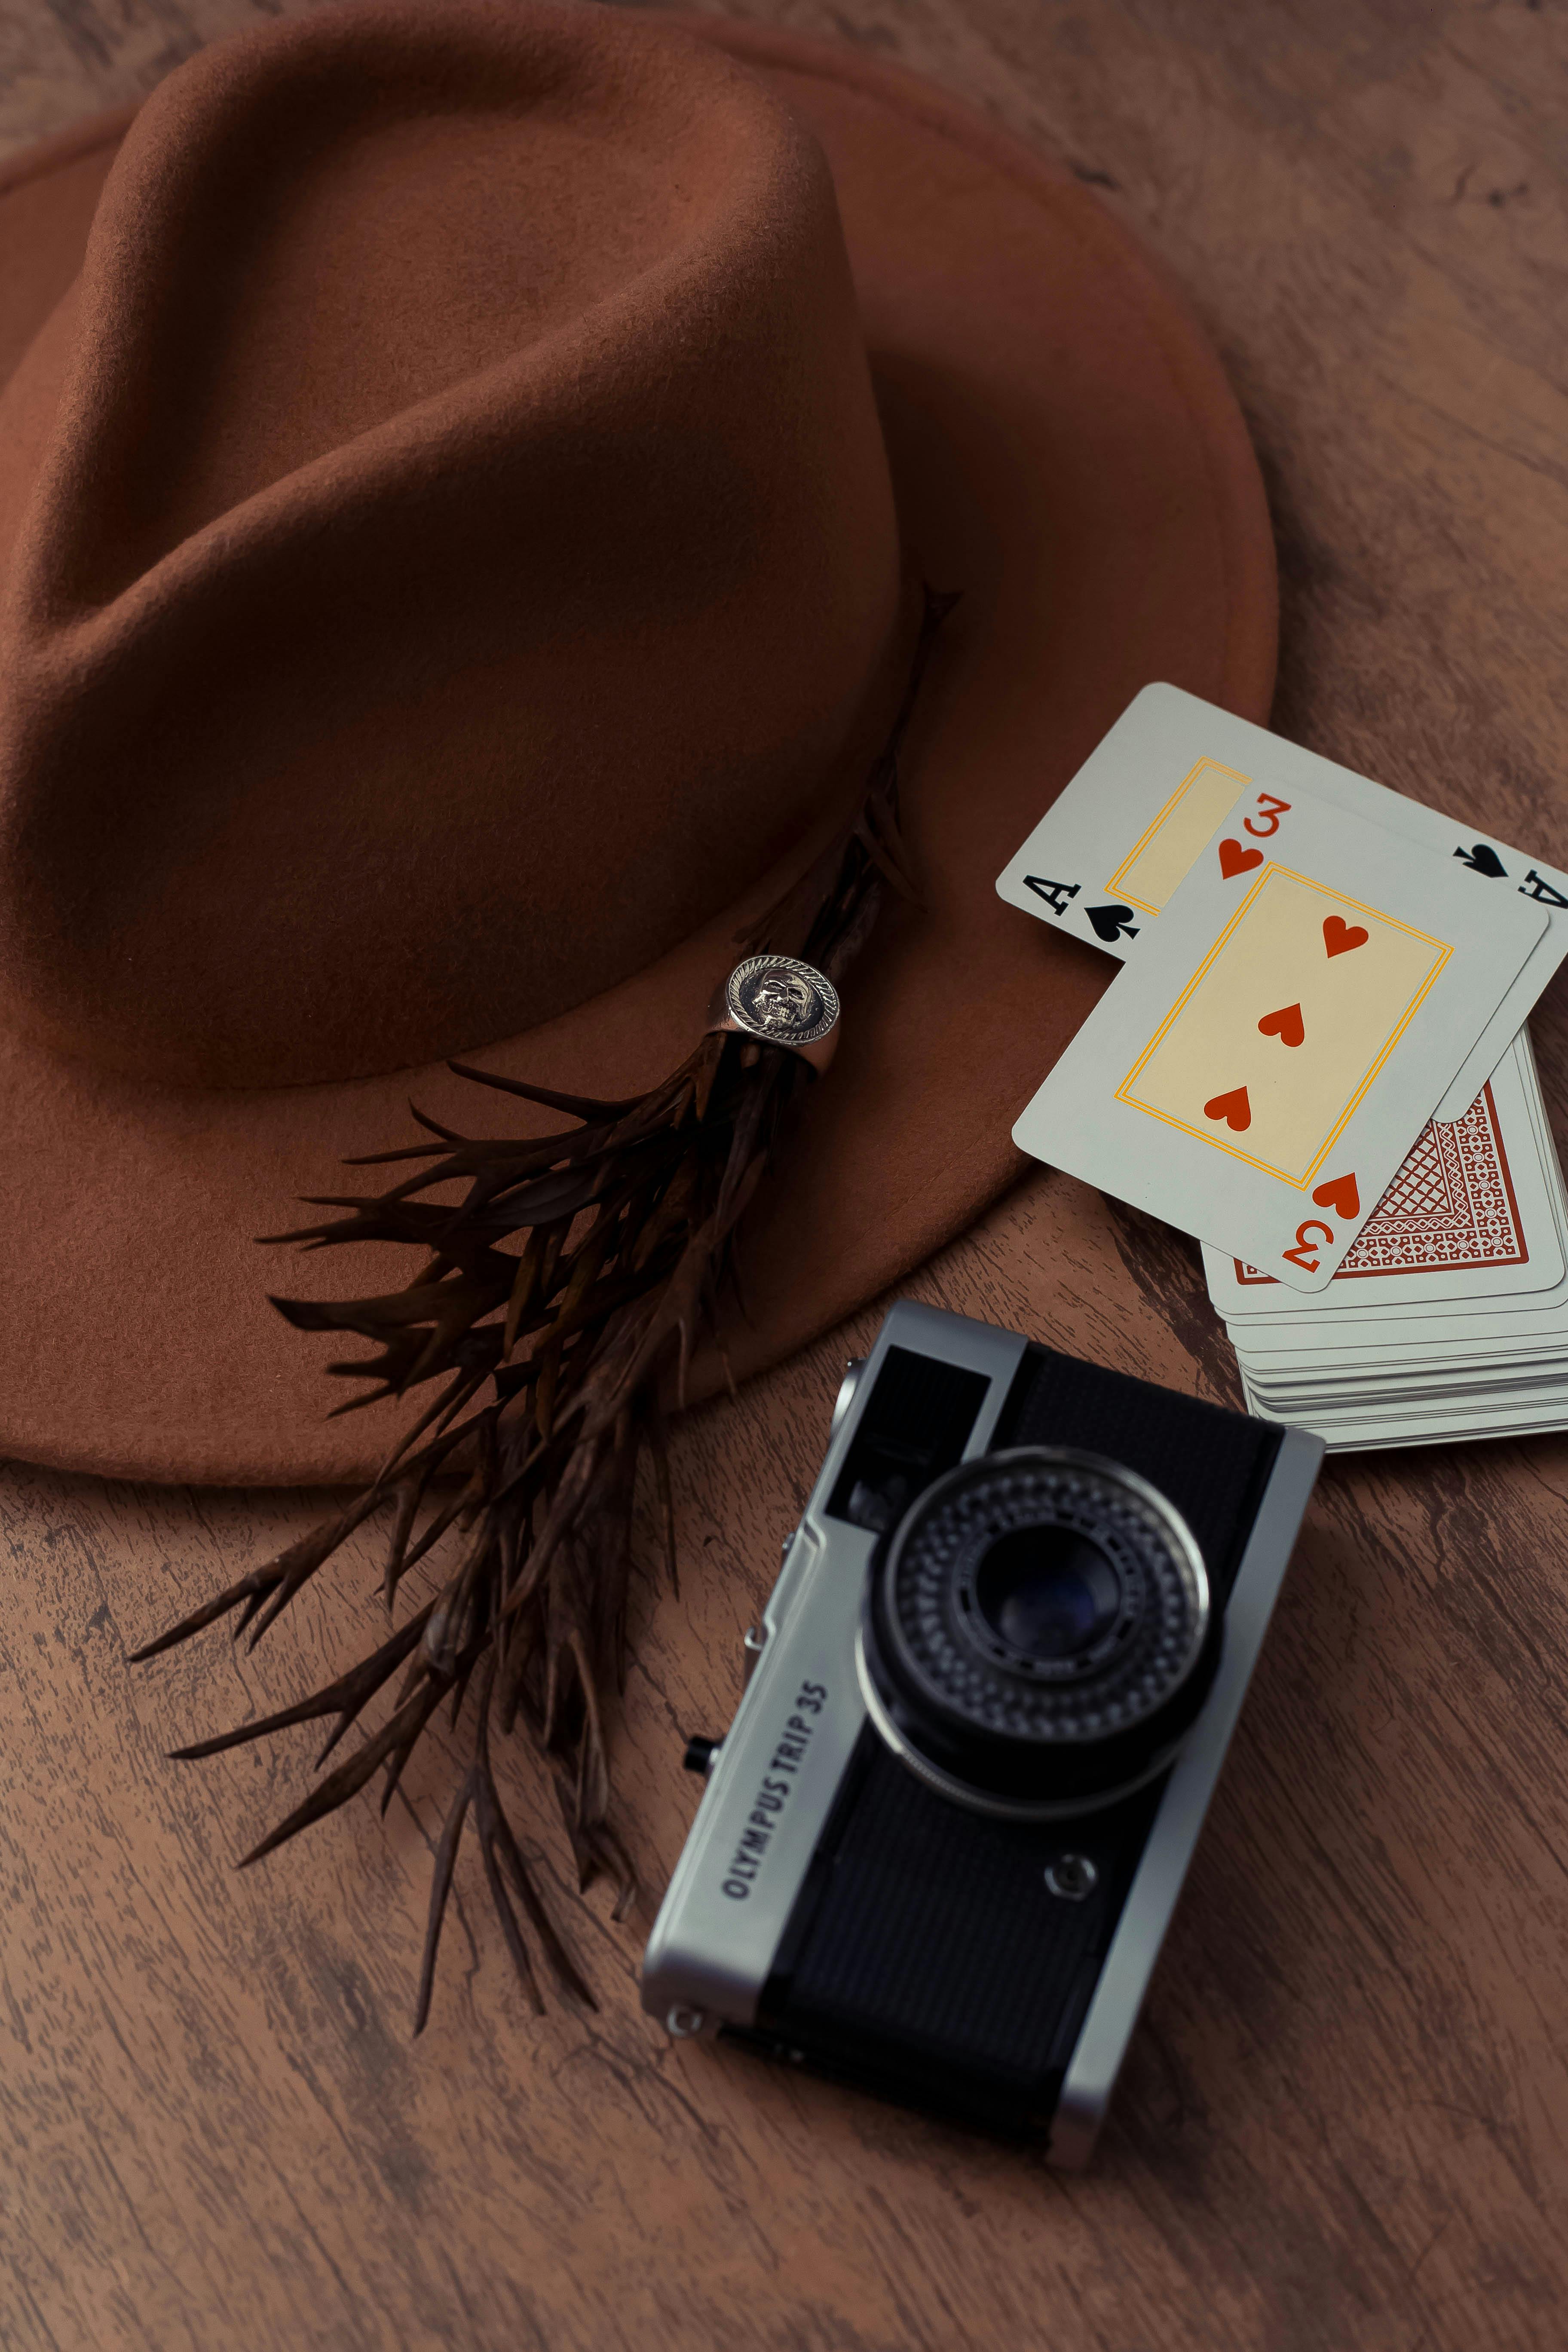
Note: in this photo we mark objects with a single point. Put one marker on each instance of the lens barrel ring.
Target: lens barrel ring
(941, 1634)
(1039, 1626)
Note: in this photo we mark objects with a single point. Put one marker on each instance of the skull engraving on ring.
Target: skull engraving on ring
(781, 998)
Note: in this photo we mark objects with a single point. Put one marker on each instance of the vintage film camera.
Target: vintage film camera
(941, 1841)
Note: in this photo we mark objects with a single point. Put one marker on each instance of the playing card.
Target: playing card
(1528, 1414)
(1104, 860)
(1444, 1348)
(1405, 1387)
(1263, 1065)
(1303, 1342)
(1457, 1350)
(1415, 1372)
(1468, 1220)
(1439, 1370)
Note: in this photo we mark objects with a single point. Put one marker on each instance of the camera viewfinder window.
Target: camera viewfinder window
(916, 1424)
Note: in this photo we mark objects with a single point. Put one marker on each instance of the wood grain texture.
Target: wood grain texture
(1344, 2120)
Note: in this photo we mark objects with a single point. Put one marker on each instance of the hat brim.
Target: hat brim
(1067, 454)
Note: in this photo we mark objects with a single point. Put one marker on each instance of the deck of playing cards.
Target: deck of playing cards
(1315, 1061)
(1448, 1319)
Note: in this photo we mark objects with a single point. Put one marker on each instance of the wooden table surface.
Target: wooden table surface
(1344, 2120)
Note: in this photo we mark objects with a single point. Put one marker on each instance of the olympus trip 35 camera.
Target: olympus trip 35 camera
(992, 1692)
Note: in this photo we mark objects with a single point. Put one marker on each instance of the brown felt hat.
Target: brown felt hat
(462, 472)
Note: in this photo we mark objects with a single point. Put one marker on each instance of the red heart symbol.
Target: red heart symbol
(1234, 1109)
(1340, 936)
(1340, 1195)
(1234, 860)
(1287, 1026)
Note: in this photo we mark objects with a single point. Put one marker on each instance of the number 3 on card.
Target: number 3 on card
(1304, 1255)
(1270, 811)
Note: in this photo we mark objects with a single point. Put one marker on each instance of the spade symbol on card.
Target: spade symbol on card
(1111, 922)
(1341, 1196)
(1483, 859)
(1287, 1025)
(1235, 859)
(1233, 1108)
(1340, 936)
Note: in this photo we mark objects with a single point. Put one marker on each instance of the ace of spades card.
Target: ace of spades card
(1259, 1072)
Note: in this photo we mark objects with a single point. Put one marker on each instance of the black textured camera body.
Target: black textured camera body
(942, 1840)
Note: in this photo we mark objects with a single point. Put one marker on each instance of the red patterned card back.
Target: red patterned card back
(1450, 1209)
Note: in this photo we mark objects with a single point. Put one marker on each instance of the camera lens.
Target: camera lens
(1048, 1594)
(1037, 1637)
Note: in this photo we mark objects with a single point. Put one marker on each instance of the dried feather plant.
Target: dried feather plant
(552, 1363)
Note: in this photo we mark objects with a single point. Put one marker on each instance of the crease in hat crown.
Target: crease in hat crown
(447, 548)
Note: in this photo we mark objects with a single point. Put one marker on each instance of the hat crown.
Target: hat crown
(452, 552)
